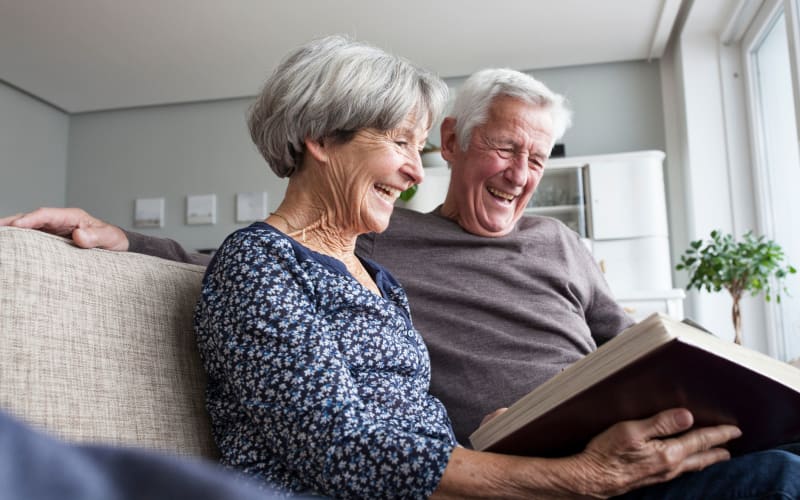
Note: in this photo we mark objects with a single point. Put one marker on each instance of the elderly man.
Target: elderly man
(503, 301)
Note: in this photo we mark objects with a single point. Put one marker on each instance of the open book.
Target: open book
(657, 364)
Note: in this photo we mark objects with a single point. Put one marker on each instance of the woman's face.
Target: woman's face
(370, 171)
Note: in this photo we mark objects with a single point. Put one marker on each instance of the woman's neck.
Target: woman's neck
(316, 221)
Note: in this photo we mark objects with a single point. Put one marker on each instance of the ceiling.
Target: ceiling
(88, 55)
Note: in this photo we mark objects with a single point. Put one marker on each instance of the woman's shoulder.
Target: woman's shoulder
(255, 232)
(252, 242)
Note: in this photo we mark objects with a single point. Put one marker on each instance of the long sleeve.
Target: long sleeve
(164, 248)
(604, 315)
(314, 382)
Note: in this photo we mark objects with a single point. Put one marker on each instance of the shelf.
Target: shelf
(554, 209)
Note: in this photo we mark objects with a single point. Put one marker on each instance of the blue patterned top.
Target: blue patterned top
(316, 383)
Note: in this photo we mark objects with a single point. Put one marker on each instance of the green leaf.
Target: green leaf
(409, 193)
(752, 264)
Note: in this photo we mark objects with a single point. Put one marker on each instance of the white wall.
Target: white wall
(33, 153)
(170, 152)
(173, 151)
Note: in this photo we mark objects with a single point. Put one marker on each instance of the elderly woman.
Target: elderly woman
(317, 379)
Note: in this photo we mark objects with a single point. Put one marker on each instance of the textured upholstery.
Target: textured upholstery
(98, 346)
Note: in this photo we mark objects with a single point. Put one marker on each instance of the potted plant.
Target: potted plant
(748, 265)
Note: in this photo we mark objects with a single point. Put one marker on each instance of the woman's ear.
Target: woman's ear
(317, 149)
(448, 136)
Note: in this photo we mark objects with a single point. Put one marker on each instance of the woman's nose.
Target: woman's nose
(415, 171)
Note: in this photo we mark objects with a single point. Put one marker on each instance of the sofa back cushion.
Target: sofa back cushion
(99, 346)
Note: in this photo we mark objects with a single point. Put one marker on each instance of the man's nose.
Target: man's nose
(517, 171)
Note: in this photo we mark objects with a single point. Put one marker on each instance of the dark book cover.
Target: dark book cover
(717, 390)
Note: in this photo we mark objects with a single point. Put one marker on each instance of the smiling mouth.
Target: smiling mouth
(501, 195)
(387, 192)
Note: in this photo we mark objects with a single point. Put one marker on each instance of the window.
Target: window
(769, 68)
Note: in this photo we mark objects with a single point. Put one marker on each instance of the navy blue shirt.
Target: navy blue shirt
(315, 382)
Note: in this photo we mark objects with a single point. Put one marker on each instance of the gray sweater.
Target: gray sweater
(499, 316)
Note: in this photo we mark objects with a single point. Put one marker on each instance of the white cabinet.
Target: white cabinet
(617, 203)
(627, 196)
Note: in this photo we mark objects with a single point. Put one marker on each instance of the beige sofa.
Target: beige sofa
(98, 346)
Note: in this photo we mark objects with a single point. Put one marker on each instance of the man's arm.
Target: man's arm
(90, 232)
(164, 248)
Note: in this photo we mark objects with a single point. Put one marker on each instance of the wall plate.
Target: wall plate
(148, 212)
(201, 209)
(251, 207)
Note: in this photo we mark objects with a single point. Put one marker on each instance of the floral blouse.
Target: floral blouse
(316, 383)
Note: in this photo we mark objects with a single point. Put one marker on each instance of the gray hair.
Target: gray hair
(471, 107)
(332, 87)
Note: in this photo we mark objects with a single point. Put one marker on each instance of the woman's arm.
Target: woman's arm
(627, 456)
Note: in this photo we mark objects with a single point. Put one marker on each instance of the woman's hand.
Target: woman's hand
(86, 231)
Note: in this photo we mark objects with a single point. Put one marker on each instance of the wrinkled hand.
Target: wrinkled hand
(637, 453)
(86, 231)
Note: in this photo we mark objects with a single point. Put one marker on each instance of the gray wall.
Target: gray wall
(617, 106)
(170, 152)
(33, 153)
(173, 151)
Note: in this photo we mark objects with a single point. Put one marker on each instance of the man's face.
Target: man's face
(493, 180)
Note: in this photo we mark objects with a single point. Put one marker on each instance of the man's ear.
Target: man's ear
(316, 149)
(448, 136)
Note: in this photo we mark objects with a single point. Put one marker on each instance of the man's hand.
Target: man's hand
(86, 231)
(494, 414)
(637, 453)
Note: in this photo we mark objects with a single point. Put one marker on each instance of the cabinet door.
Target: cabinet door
(635, 264)
(627, 197)
(562, 194)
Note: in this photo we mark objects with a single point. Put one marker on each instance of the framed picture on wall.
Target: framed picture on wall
(148, 212)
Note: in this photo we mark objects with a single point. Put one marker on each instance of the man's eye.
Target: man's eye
(402, 144)
(505, 152)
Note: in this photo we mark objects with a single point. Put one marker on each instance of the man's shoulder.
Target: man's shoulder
(405, 221)
(403, 215)
(547, 230)
(540, 224)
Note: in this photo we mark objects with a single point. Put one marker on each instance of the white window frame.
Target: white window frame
(755, 34)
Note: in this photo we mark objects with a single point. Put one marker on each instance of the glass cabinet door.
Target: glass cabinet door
(562, 194)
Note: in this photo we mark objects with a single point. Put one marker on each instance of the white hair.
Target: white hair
(331, 88)
(471, 107)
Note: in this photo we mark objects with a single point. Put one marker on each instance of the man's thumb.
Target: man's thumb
(85, 237)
